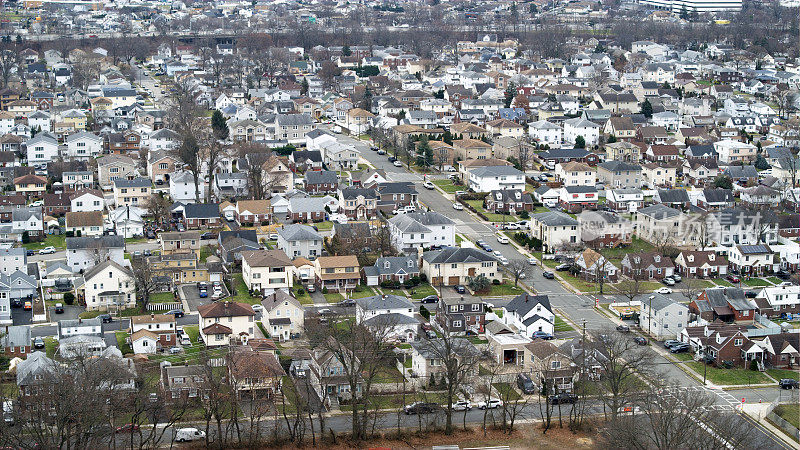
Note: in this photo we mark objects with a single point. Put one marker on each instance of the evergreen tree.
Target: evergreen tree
(447, 137)
(761, 163)
(580, 142)
(346, 51)
(304, 86)
(647, 109)
(723, 182)
(219, 126)
(611, 139)
(509, 94)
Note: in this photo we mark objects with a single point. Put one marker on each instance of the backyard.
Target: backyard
(448, 186)
(52, 240)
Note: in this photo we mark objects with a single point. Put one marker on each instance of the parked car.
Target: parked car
(511, 226)
(492, 403)
(430, 299)
(420, 408)
(428, 185)
(671, 342)
(680, 348)
(503, 260)
(397, 163)
(463, 405)
(458, 206)
(127, 428)
(502, 239)
(549, 275)
(664, 290)
(59, 308)
(29, 252)
(311, 288)
(392, 159)
(783, 274)
(28, 306)
(106, 318)
(176, 312)
(677, 278)
(203, 293)
(789, 383)
(38, 343)
(640, 340)
(623, 328)
(668, 281)
(525, 384)
(733, 278)
(542, 335)
(189, 434)
(562, 398)
(346, 302)
(381, 152)
(460, 288)
(47, 250)
(562, 267)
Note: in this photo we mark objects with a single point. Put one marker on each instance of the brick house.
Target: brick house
(726, 304)
(253, 211)
(204, 215)
(647, 266)
(459, 315)
(321, 182)
(508, 201)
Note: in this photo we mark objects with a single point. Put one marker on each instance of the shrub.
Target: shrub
(26, 237)
(324, 290)
(423, 278)
(408, 284)
(753, 365)
(524, 215)
(69, 233)
(358, 288)
(415, 281)
(432, 381)
(301, 291)
(423, 311)
(496, 282)
(69, 298)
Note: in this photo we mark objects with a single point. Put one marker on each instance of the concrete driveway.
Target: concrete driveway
(70, 312)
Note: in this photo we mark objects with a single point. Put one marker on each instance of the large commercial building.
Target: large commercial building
(700, 6)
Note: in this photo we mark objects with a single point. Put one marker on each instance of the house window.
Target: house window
(456, 324)
(737, 342)
(476, 307)
(555, 365)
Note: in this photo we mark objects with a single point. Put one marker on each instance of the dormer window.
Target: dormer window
(386, 264)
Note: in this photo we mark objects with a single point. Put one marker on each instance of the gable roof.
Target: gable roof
(225, 309)
(456, 255)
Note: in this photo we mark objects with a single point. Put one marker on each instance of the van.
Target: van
(525, 384)
(189, 434)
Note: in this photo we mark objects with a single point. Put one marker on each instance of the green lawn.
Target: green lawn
(333, 297)
(529, 188)
(756, 282)
(459, 239)
(774, 280)
(636, 246)
(448, 186)
(561, 325)
(492, 217)
(422, 291)
(729, 376)
(89, 314)
(789, 413)
(476, 340)
(162, 297)
(50, 345)
(366, 291)
(304, 299)
(388, 374)
(123, 346)
(52, 240)
(242, 293)
(722, 282)
(506, 391)
(504, 289)
(205, 252)
(783, 373)
(135, 240)
(193, 331)
(324, 226)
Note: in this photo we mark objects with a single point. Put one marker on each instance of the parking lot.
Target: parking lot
(191, 293)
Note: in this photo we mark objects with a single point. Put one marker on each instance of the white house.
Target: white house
(84, 253)
(284, 315)
(109, 285)
(729, 151)
(529, 314)
(421, 229)
(41, 149)
(182, 188)
(87, 200)
(545, 132)
(12, 260)
(663, 317)
(581, 127)
(555, 229)
(369, 307)
(496, 178)
(83, 145)
(300, 240)
(267, 270)
(128, 221)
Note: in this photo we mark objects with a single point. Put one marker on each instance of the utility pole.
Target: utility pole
(650, 315)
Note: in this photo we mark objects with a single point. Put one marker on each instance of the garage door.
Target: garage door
(452, 281)
(436, 281)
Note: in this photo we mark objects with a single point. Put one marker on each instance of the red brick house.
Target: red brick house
(57, 204)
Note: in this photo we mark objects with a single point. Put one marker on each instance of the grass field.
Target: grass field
(722, 282)
(756, 282)
(333, 297)
(774, 280)
(448, 186)
(55, 240)
(162, 297)
(506, 391)
(242, 293)
(324, 226)
(789, 413)
(422, 291)
(729, 376)
(503, 290)
(123, 346)
(783, 373)
(561, 325)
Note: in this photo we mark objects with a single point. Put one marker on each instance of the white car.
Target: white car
(463, 405)
(47, 250)
(458, 206)
(532, 261)
(428, 185)
(502, 239)
(37, 203)
(397, 163)
(189, 434)
(664, 290)
(497, 254)
(258, 308)
(491, 404)
(503, 260)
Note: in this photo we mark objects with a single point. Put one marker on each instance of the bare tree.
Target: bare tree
(670, 416)
(143, 274)
(9, 62)
(85, 69)
(632, 287)
(690, 288)
(158, 207)
(517, 269)
(189, 153)
(458, 359)
(623, 364)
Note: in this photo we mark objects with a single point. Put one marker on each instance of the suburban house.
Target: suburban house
(593, 265)
(619, 174)
(701, 264)
(85, 252)
(160, 326)
(725, 304)
(253, 212)
(202, 215)
(663, 317)
(752, 260)
(459, 315)
(508, 201)
(625, 199)
(223, 323)
(549, 366)
(88, 223)
(452, 266)
(300, 240)
(493, 178)
(321, 182)
(427, 355)
(284, 315)
(555, 229)
(421, 230)
(254, 373)
(575, 174)
(266, 271)
(132, 192)
(528, 314)
(391, 268)
(376, 305)
(358, 203)
(337, 273)
(179, 242)
(779, 301)
(108, 286)
(647, 266)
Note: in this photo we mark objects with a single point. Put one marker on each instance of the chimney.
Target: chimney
(152, 316)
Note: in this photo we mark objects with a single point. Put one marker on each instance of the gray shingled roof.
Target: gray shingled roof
(299, 232)
(554, 219)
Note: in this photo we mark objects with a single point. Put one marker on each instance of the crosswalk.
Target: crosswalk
(726, 401)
